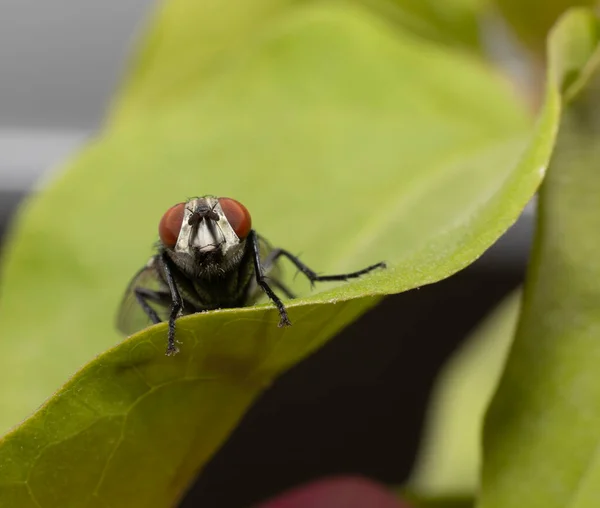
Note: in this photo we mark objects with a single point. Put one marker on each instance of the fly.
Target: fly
(208, 257)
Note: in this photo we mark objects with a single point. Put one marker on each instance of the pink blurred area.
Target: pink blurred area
(337, 492)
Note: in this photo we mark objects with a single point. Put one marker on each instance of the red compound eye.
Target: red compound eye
(237, 215)
(170, 225)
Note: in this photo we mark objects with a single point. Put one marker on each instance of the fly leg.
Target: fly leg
(143, 296)
(282, 287)
(313, 277)
(261, 280)
(176, 305)
(266, 264)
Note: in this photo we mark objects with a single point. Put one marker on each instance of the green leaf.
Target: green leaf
(348, 139)
(531, 20)
(449, 460)
(187, 44)
(451, 22)
(132, 427)
(542, 437)
(192, 42)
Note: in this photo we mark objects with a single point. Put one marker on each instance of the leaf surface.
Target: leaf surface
(542, 437)
(348, 139)
(449, 461)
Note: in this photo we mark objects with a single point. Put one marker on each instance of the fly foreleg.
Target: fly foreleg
(176, 305)
(313, 277)
(261, 280)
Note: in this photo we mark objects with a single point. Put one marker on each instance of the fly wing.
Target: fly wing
(131, 316)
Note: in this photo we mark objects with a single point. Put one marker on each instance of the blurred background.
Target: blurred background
(59, 63)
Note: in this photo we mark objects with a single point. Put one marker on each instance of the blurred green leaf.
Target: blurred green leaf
(542, 431)
(188, 43)
(347, 138)
(531, 20)
(449, 460)
(451, 22)
(191, 42)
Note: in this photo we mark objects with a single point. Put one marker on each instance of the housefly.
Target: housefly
(208, 257)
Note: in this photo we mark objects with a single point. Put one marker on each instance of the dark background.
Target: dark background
(357, 405)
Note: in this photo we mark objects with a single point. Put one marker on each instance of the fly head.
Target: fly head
(205, 236)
